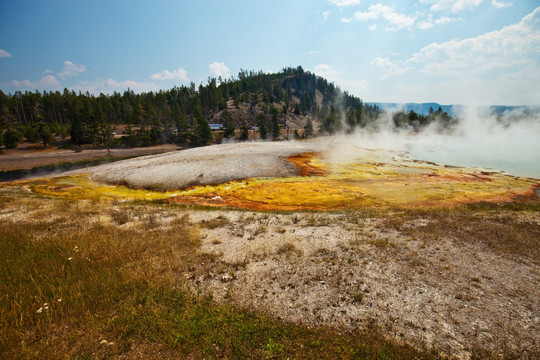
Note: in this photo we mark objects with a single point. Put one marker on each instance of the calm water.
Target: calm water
(510, 144)
(516, 158)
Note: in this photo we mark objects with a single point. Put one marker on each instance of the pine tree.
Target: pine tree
(245, 133)
(203, 132)
(308, 129)
(262, 123)
(11, 138)
(45, 134)
(275, 124)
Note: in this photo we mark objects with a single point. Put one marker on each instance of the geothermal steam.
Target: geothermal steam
(510, 142)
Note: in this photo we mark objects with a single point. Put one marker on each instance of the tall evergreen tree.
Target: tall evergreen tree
(202, 131)
(262, 123)
(45, 134)
(275, 124)
(308, 129)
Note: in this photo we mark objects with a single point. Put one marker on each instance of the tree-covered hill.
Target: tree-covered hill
(296, 100)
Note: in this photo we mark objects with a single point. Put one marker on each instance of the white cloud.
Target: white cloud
(500, 66)
(500, 4)
(420, 20)
(325, 71)
(219, 69)
(48, 82)
(344, 3)
(429, 22)
(453, 5)
(388, 67)
(26, 84)
(4, 54)
(108, 86)
(178, 74)
(47, 71)
(373, 27)
(377, 11)
(345, 82)
(325, 16)
(445, 20)
(474, 90)
(70, 69)
(425, 24)
(133, 85)
(512, 45)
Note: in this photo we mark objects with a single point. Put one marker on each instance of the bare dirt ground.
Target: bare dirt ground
(29, 156)
(423, 280)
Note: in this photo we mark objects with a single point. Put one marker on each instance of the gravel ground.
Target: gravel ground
(453, 292)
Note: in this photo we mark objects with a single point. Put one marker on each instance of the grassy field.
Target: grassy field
(90, 280)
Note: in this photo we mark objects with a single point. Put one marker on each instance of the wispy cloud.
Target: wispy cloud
(70, 70)
(453, 5)
(429, 22)
(507, 57)
(48, 82)
(344, 3)
(4, 54)
(325, 16)
(419, 20)
(345, 81)
(108, 86)
(500, 4)
(399, 21)
(24, 84)
(131, 84)
(499, 48)
(388, 67)
(178, 74)
(219, 69)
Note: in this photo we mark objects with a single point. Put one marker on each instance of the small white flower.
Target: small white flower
(60, 300)
(76, 249)
(46, 306)
(40, 310)
(70, 258)
(103, 342)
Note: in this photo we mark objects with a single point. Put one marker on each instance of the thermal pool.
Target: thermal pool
(288, 176)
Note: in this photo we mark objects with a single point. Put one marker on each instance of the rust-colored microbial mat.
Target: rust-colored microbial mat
(368, 178)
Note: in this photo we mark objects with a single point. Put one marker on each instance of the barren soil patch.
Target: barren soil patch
(27, 158)
(423, 282)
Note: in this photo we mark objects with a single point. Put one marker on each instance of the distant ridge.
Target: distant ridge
(420, 108)
(452, 110)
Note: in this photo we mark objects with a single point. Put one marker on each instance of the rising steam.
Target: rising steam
(509, 142)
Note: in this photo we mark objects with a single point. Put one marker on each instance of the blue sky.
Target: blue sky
(446, 51)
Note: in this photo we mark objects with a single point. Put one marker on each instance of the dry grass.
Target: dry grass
(217, 222)
(81, 280)
(502, 231)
